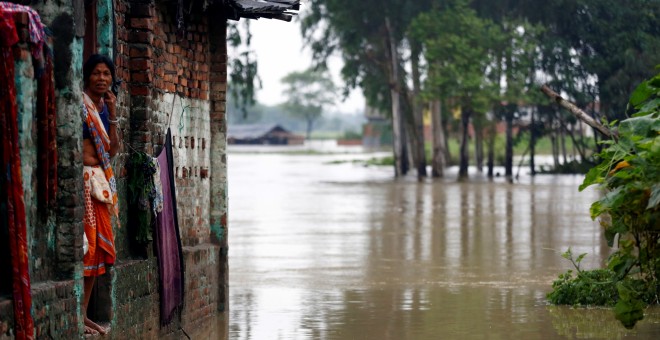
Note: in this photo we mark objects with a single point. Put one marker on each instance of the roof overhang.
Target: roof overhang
(255, 9)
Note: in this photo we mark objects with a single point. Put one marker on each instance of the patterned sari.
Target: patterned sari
(97, 221)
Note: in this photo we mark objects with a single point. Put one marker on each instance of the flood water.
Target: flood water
(327, 250)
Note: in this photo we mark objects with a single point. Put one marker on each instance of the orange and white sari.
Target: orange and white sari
(100, 197)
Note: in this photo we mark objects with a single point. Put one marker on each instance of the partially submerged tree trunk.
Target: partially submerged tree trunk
(555, 146)
(465, 154)
(417, 112)
(310, 124)
(479, 142)
(532, 142)
(445, 129)
(562, 136)
(491, 148)
(397, 128)
(439, 141)
(508, 158)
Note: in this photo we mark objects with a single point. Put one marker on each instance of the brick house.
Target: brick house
(172, 58)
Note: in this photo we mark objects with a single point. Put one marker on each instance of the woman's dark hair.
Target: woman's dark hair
(91, 63)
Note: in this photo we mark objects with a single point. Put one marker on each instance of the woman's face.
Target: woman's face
(100, 80)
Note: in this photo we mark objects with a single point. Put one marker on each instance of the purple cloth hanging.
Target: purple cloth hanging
(168, 241)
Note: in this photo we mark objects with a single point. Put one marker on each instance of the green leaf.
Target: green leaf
(596, 209)
(641, 126)
(654, 199)
(609, 236)
(656, 125)
(641, 94)
(622, 266)
(611, 200)
(580, 257)
(648, 108)
(594, 176)
(629, 309)
(629, 312)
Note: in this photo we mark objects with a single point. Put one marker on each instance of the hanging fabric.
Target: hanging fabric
(47, 133)
(35, 26)
(12, 184)
(141, 194)
(168, 240)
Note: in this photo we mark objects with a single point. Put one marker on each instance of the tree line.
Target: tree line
(478, 63)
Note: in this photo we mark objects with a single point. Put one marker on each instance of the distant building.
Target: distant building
(377, 131)
(262, 134)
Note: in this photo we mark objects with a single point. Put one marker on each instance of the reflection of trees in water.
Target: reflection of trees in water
(243, 328)
(417, 260)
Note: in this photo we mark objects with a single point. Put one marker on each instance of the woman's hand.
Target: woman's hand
(111, 101)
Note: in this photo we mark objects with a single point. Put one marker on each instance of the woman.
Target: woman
(100, 143)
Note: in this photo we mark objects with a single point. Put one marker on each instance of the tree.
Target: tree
(370, 36)
(243, 73)
(457, 46)
(308, 93)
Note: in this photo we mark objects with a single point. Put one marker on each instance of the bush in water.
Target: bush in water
(629, 172)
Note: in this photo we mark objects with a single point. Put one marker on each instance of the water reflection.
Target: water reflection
(320, 251)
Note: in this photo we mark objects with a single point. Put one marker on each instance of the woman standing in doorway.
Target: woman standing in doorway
(100, 143)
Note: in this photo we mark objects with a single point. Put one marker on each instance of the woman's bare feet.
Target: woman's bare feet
(94, 326)
(90, 331)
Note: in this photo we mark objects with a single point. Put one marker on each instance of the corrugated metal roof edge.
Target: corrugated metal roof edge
(270, 9)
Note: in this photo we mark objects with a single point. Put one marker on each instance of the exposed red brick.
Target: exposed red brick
(141, 77)
(141, 37)
(141, 10)
(139, 90)
(140, 51)
(140, 64)
(216, 87)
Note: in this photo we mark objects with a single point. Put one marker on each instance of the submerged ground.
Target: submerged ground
(320, 249)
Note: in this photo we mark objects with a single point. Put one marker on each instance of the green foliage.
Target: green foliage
(141, 192)
(629, 211)
(389, 161)
(308, 92)
(586, 288)
(243, 76)
(352, 135)
(629, 309)
(457, 45)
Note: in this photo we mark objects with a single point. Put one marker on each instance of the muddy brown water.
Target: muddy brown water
(327, 250)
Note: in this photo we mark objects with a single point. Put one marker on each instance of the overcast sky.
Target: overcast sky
(279, 50)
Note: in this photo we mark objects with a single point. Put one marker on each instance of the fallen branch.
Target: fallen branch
(583, 116)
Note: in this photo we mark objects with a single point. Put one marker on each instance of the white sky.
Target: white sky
(279, 49)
